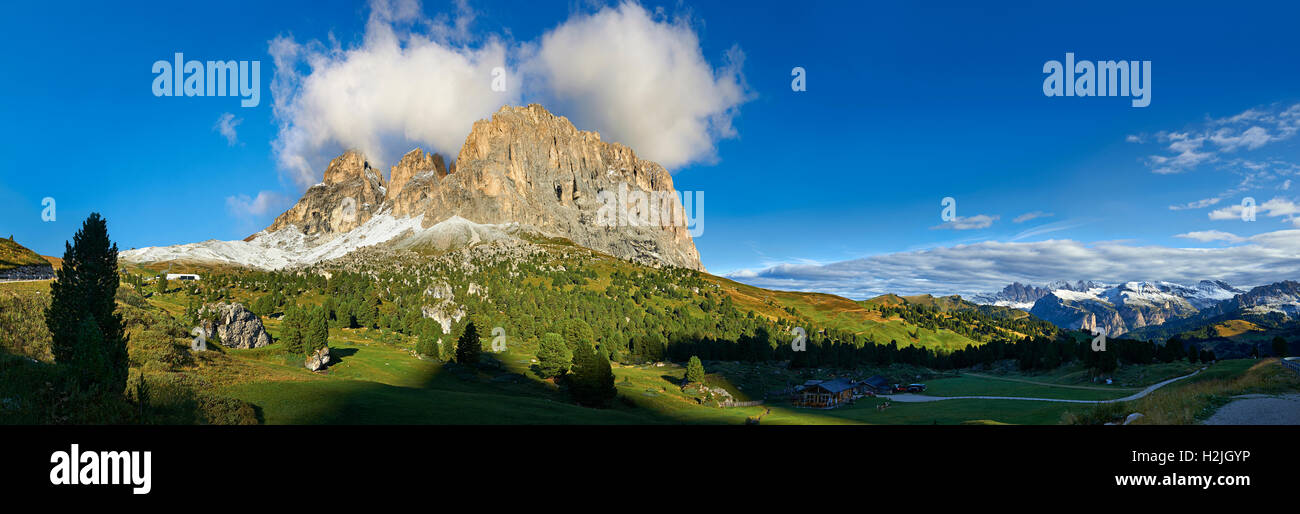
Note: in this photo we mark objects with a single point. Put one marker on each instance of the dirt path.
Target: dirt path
(919, 398)
(1259, 409)
(1094, 388)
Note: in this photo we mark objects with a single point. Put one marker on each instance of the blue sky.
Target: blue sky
(835, 188)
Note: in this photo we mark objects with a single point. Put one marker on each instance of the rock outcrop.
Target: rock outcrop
(318, 359)
(236, 326)
(17, 262)
(523, 166)
(32, 272)
(350, 195)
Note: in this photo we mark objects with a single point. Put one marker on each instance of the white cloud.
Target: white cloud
(988, 266)
(640, 81)
(1272, 208)
(1206, 236)
(244, 207)
(1249, 130)
(414, 81)
(398, 89)
(1047, 229)
(1199, 204)
(1031, 215)
(226, 127)
(967, 223)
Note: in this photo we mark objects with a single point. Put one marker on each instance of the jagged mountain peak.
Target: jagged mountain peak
(523, 166)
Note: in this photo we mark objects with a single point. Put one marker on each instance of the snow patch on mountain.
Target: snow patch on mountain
(290, 247)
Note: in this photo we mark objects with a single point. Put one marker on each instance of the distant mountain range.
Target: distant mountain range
(1137, 307)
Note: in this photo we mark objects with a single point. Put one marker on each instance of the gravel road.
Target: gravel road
(1257, 409)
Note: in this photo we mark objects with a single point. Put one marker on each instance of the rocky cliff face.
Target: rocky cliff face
(523, 166)
(350, 195)
(1082, 315)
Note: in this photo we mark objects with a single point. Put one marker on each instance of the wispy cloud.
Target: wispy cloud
(967, 223)
(1249, 130)
(1199, 204)
(1047, 229)
(988, 266)
(1206, 236)
(1273, 208)
(1031, 215)
(248, 208)
(226, 127)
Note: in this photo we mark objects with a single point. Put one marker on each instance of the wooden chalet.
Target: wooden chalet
(827, 394)
(875, 385)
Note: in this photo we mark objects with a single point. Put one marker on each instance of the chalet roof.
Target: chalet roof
(835, 386)
(876, 381)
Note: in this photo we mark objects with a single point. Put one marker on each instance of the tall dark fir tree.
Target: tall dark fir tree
(468, 346)
(86, 333)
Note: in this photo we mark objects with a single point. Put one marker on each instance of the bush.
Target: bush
(1098, 414)
(22, 325)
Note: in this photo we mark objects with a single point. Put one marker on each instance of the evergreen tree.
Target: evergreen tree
(81, 296)
(553, 357)
(162, 284)
(592, 381)
(1279, 347)
(427, 345)
(317, 330)
(291, 333)
(467, 347)
(694, 371)
(576, 333)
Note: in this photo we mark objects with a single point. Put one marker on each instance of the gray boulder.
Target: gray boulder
(318, 359)
(237, 326)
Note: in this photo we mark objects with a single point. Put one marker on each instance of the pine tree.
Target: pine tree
(428, 345)
(694, 371)
(1279, 347)
(162, 284)
(592, 381)
(576, 333)
(291, 334)
(467, 347)
(317, 329)
(83, 295)
(553, 357)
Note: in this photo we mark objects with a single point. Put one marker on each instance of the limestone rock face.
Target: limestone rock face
(414, 163)
(350, 195)
(237, 326)
(528, 166)
(523, 166)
